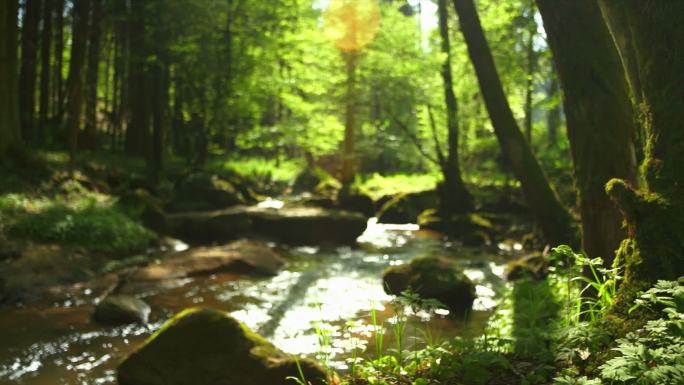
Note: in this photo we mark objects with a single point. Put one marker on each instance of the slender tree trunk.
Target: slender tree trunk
(9, 105)
(59, 61)
(138, 129)
(76, 74)
(599, 116)
(531, 68)
(45, 67)
(553, 115)
(348, 158)
(95, 33)
(160, 114)
(27, 74)
(654, 214)
(553, 219)
(454, 196)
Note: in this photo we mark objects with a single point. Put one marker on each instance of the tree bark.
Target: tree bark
(138, 129)
(27, 74)
(76, 74)
(45, 67)
(348, 158)
(95, 33)
(599, 115)
(553, 115)
(454, 196)
(58, 79)
(531, 60)
(655, 213)
(553, 219)
(9, 105)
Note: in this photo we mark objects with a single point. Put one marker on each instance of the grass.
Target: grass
(263, 169)
(377, 185)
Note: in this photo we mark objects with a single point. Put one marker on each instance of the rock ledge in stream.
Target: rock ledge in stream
(432, 277)
(239, 256)
(292, 225)
(121, 310)
(203, 346)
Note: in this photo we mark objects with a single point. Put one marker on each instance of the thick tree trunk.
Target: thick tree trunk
(45, 67)
(160, 117)
(348, 159)
(599, 116)
(454, 196)
(76, 74)
(27, 74)
(9, 105)
(655, 214)
(95, 32)
(553, 219)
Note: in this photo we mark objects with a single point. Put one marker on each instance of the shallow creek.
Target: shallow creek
(320, 292)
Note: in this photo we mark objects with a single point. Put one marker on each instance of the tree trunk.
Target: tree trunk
(138, 129)
(654, 214)
(553, 116)
(76, 74)
(348, 158)
(27, 74)
(9, 105)
(531, 60)
(45, 67)
(95, 32)
(599, 116)
(58, 107)
(553, 219)
(454, 196)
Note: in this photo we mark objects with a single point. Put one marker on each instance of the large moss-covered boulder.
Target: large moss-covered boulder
(203, 191)
(308, 225)
(432, 277)
(209, 347)
(121, 310)
(206, 227)
(471, 229)
(406, 207)
(309, 179)
(357, 202)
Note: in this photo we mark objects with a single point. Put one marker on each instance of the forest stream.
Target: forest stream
(320, 292)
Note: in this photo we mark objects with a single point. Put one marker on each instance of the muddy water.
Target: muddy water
(325, 293)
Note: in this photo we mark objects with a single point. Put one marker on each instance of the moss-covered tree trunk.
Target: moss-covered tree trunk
(553, 219)
(599, 116)
(454, 196)
(655, 213)
(9, 105)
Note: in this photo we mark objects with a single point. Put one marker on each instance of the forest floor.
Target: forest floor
(98, 216)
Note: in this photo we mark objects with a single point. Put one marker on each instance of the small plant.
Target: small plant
(301, 380)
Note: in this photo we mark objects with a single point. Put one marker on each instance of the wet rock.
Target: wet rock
(405, 207)
(357, 202)
(292, 225)
(432, 277)
(241, 256)
(203, 346)
(534, 266)
(121, 310)
(204, 227)
(202, 191)
(308, 225)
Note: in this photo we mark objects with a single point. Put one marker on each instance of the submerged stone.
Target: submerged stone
(209, 347)
(432, 277)
(121, 310)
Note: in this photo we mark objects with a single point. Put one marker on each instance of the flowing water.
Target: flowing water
(323, 295)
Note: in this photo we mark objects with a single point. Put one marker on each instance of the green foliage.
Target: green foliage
(82, 222)
(378, 185)
(265, 170)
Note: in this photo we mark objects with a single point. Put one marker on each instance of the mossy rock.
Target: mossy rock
(472, 229)
(309, 179)
(121, 310)
(534, 266)
(206, 227)
(432, 277)
(406, 207)
(357, 202)
(139, 203)
(203, 191)
(204, 346)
